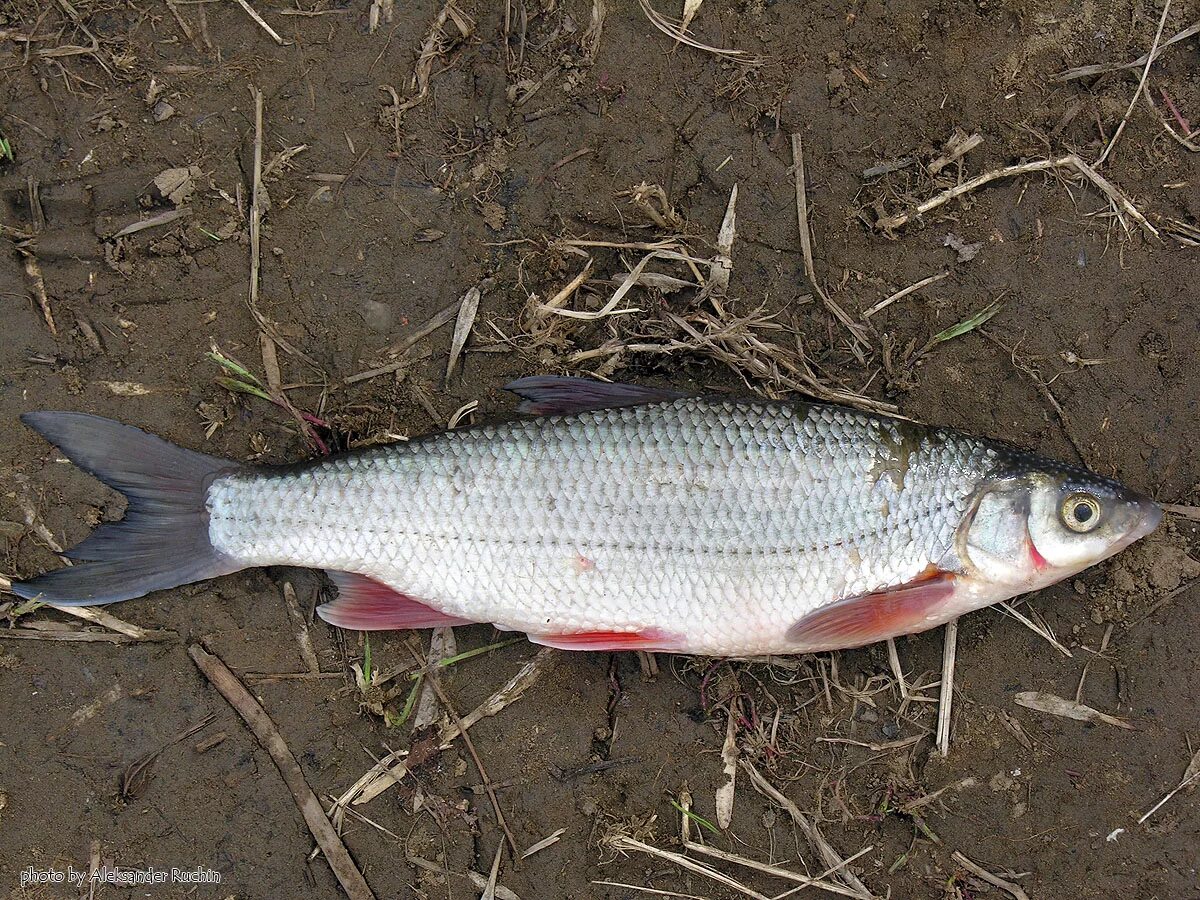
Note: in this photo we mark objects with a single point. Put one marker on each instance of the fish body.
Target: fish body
(651, 520)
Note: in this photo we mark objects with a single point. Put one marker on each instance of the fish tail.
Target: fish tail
(163, 539)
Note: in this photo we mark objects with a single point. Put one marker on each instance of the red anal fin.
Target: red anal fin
(867, 618)
(364, 604)
(646, 639)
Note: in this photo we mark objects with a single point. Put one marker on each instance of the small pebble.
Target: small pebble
(162, 111)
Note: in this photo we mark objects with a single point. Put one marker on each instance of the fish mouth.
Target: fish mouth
(1148, 515)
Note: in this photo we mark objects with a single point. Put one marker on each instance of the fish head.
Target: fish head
(1040, 522)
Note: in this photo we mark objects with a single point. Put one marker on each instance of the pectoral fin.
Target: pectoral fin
(867, 618)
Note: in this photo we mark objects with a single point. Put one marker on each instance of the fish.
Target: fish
(614, 517)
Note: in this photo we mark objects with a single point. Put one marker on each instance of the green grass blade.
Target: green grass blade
(699, 820)
(240, 387)
(966, 325)
(409, 703)
(233, 366)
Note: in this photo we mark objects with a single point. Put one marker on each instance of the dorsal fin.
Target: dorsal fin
(547, 395)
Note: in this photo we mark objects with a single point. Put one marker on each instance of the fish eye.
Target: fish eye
(1081, 512)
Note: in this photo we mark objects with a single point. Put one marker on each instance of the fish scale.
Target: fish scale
(719, 523)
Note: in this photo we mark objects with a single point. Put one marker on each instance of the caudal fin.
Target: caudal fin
(163, 539)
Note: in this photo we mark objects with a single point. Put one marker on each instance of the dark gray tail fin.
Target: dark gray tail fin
(163, 539)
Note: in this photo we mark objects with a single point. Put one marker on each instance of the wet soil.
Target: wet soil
(383, 218)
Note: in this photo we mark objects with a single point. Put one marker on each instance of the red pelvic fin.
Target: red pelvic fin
(647, 639)
(867, 618)
(365, 604)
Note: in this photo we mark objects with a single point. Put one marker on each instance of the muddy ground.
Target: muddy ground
(393, 209)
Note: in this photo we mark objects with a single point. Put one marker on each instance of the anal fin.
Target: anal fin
(364, 604)
(646, 639)
(867, 618)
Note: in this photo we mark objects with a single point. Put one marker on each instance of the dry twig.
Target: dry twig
(268, 736)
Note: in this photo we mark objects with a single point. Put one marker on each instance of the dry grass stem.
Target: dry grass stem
(820, 882)
(431, 48)
(996, 881)
(489, 887)
(1141, 84)
(303, 638)
(100, 617)
(904, 292)
(690, 8)
(810, 831)
(946, 692)
(625, 842)
(388, 770)
(1181, 139)
(268, 736)
(897, 669)
(258, 208)
(1178, 509)
(1040, 629)
(1187, 782)
(381, 11)
(959, 145)
(1087, 665)
(1124, 206)
(652, 201)
(589, 43)
(646, 890)
(1145, 59)
(545, 842)
(874, 747)
(1042, 388)
(511, 692)
(860, 342)
(677, 31)
(609, 308)
(52, 631)
(443, 317)
(1193, 769)
(559, 300)
(261, 22)
(803, 881)
(1054, 705)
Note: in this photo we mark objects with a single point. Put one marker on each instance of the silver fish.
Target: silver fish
(619, 517)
